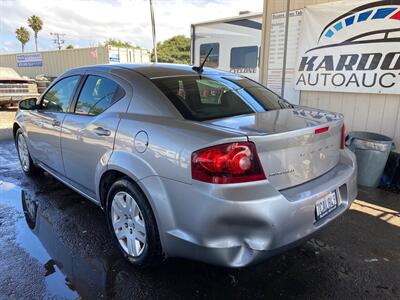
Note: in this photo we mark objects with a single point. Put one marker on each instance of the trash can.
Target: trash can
(372, 151)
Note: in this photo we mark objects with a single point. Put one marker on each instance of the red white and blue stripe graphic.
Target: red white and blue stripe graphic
(380, 10)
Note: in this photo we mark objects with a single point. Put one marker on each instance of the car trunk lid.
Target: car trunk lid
(294, 145)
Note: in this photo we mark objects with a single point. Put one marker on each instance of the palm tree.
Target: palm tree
(36, 24)
(23, 36)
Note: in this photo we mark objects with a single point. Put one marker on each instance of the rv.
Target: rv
(235, 44)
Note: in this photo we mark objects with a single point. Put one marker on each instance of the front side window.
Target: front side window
(213, 59)
(203, 98)
(59, 97)
(98, 94)
(244, 57)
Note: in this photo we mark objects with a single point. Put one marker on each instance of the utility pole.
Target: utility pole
(58, 39)
(153, 25)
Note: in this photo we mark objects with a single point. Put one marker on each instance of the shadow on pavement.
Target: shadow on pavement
(379, 197)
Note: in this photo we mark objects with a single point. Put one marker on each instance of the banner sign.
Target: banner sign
(350, 46)
(29, 60)
(113, 58)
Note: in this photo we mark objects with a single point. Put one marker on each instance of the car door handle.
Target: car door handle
(102, 132)
(56, 123)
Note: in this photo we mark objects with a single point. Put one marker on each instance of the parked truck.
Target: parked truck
(14, 87)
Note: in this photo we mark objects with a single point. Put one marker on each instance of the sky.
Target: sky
(87, 23)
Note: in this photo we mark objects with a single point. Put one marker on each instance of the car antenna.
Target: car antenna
(199, 69)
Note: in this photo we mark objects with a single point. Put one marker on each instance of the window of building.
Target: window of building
(244, 57)
(213, 59)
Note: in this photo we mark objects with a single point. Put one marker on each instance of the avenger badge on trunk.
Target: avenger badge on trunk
(283, 172)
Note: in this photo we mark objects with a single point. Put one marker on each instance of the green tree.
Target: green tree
(70, 46)
(174, 50)
(36, 24)
(23, 36)
(118, 43)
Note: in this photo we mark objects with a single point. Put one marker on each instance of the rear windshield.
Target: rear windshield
(202, 98)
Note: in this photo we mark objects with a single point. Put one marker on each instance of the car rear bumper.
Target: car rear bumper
(241, 224)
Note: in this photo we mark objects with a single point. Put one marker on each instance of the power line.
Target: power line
(58, 39)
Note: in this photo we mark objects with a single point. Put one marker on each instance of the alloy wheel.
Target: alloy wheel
(128, 224)
(23, 152)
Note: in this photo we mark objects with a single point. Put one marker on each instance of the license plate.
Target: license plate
(325, 205)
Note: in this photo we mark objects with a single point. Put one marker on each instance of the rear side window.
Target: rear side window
(213, 59)
(202, 98)
(244, 57)
(98, 94)
(59, 97)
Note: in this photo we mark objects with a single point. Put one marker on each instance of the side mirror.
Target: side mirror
(28, 104)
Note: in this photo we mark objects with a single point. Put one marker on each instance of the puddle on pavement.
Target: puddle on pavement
(66, 274)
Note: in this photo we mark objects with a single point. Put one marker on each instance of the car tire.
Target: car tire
(27, 164)
(30, 208)
(124, 224)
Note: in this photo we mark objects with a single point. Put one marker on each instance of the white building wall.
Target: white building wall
(56, 62)
(370, 112)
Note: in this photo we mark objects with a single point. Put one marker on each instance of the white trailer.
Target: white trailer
(235, 42)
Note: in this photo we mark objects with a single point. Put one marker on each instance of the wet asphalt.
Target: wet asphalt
(55, 245)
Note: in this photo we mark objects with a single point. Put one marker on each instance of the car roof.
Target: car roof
(157, 70)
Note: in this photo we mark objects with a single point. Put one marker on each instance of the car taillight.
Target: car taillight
(227, 163)
(321, 130)
(343, 137)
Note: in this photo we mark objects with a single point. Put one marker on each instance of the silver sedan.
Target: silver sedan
(201, 164)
